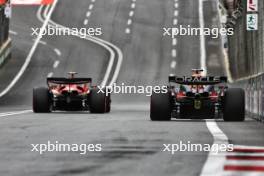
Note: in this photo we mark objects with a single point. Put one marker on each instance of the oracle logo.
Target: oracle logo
(198, 79)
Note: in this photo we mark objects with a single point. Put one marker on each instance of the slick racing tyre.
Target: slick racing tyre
(98, 101)
(108, 103)
(41, 100)
(160, 106)
(234, 105)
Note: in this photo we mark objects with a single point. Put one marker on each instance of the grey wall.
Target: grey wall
(4, 26)
(246, 47)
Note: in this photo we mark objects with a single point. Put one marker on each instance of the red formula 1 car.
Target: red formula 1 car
(70, 94)
(198, 97)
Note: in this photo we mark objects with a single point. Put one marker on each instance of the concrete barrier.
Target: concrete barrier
(246, 48)
(245, 55)
(4, 26)
(254, 92)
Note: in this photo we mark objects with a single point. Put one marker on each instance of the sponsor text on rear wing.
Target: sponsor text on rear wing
(204, 80)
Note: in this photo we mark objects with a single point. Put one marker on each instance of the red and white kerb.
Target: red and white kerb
(31, 2)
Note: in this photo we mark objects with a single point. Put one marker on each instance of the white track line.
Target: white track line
(173, 53)
(175, 21)
(50, 74)
(244, 154)
(127, 30)
(227, 66)
(248, 147)
(88, 14)
(47, 9)
(12, 32)
(39, 13)
(14, 113)
(176, 13)
(215, 162)
(41, 42)
(32, 50)
(108, 46)
(173, 64)
(174, 42)
(111, 60)
(129, 22)
(57, 51)
(85, 22)
(56, 64)
(202, 39)
(244, 163)
(131, 13)
(133, 5)
(91, 6)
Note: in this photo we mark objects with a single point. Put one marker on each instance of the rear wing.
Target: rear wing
(204, 80)
(69, 80)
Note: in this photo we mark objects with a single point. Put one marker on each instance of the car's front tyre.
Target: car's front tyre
(41, 100)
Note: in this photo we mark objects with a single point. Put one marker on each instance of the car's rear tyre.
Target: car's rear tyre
(41, 100)
(108, 103)
(234, 105)
(98, 101)
(160, 106)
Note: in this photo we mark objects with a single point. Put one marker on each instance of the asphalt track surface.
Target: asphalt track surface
(132, 144)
